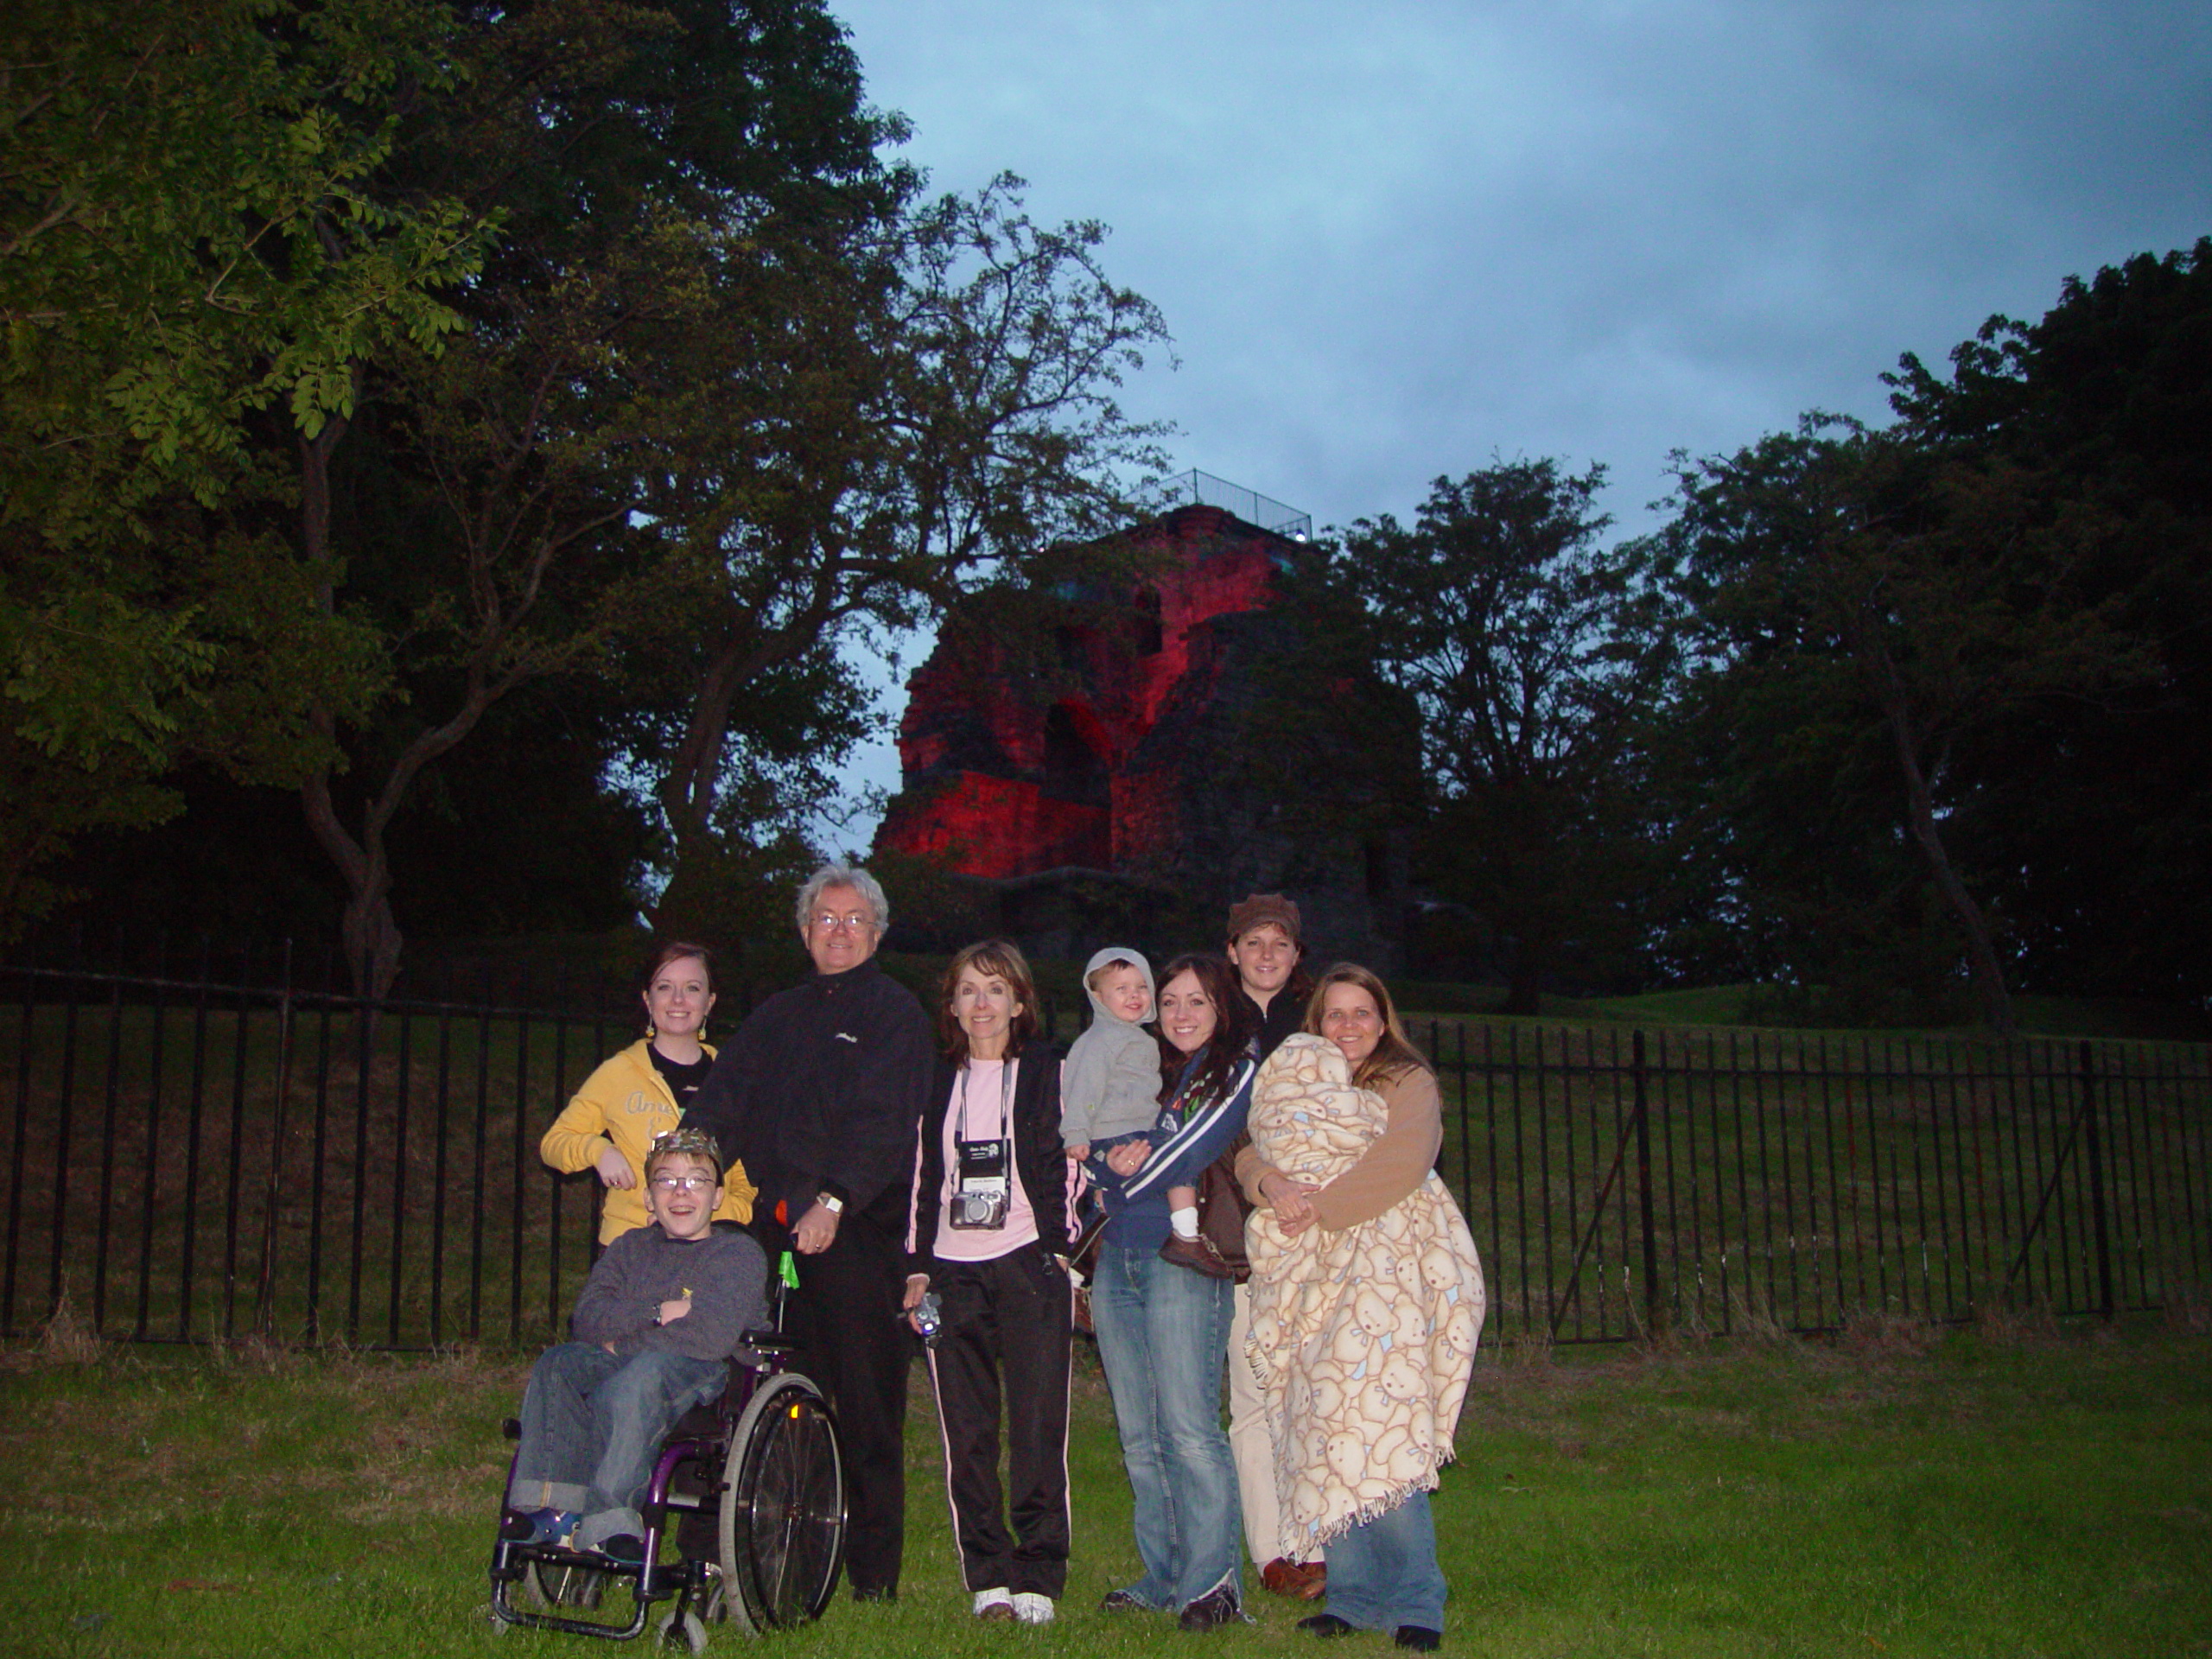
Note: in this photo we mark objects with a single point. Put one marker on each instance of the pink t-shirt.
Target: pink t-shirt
(982, 1085)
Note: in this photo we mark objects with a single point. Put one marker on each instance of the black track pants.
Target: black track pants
(1005, 1343)
(855, 1345)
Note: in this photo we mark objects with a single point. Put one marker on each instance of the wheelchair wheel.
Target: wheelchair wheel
(783, 1510)
(682, 1633)
(712, 1603)
(547, 1587)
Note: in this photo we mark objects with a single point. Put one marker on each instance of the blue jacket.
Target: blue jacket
(1189, 1135)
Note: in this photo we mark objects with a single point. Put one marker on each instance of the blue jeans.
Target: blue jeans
(1384, 1574)
(1162, 1332)
(592, 1425)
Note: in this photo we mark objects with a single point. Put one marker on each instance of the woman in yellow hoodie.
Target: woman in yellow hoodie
(640, 1093)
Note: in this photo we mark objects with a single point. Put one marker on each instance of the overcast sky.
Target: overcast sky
(1395, 239)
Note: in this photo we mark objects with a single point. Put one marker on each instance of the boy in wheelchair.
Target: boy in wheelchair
(665, 1307)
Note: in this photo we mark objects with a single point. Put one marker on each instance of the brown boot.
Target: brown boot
(1301, 1580)
(1198, 1255)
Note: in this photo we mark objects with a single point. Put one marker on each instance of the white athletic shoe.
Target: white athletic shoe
(1031, 1608)
(993, 1604)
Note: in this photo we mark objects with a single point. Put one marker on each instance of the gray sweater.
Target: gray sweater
(1110, 1084)
(724, 1274)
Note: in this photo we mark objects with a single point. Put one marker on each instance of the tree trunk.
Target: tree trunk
(367, 928)
(372, 943)
(688, 791)
(1524, 984)
(1982, 955)
(691, 788)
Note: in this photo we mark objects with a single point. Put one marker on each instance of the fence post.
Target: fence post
(264, 1289)
(2093, 1144)
(1644, 1188)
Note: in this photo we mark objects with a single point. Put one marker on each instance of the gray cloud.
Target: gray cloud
(1393, 240)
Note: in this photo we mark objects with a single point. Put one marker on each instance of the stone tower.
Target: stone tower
(1112, 795)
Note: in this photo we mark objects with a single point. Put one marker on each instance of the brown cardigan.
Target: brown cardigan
(1395, 1166)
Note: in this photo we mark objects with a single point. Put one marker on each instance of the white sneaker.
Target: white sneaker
(1031, 1608)
(993, 1604)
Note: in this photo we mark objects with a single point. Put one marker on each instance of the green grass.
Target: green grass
(2002, 1492)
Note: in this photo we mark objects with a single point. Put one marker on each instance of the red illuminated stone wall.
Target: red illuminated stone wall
(1120, 771)
(983, 789)
(980, 825)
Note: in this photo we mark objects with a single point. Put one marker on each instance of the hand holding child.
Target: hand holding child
(1129, 1158)
(1289, 1197)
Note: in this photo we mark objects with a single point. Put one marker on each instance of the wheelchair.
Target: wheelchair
(753, 1488)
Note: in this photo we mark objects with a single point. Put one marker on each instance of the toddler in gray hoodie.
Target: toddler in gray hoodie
(1110, 1087)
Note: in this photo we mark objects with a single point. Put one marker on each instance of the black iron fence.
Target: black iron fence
(190, 1159)
(1620, 1182)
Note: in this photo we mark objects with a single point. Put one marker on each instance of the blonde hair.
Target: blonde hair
(1394, 1052)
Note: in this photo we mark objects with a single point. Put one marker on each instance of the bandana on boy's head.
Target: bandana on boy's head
(699, 1143)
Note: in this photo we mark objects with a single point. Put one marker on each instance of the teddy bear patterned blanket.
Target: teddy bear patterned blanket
(1363, 1340)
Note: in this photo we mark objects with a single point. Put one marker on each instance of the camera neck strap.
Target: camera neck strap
(1006, 1101)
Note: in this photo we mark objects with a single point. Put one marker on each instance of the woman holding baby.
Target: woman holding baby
(1162, 1328)
(1367, 1299)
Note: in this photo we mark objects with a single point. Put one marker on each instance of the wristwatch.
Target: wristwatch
(830, 1201)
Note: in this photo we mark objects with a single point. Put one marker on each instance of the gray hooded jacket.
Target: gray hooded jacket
(1110, 1086)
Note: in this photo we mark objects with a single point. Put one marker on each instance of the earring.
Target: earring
(652, 1031)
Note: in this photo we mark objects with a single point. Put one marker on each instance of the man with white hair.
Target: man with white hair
(820, 1095)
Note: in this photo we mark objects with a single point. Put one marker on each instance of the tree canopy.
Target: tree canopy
(1530, 650)
(497, 345)
(1943, 671)
(194, 240)
(460, 417)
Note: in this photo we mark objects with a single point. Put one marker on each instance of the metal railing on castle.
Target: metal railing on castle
(195, 1157)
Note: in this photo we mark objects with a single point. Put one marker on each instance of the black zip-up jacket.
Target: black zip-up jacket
(1285, 1015)
(1039, 1155)
(821, 1090)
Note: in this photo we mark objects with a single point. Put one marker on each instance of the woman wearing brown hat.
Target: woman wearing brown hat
(1265, 950)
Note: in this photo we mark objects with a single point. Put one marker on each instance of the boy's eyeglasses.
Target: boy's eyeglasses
(684, 1183)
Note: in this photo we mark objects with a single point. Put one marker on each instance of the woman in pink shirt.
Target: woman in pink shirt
(990, 1238)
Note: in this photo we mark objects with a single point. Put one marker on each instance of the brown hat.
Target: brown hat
(1257, 910)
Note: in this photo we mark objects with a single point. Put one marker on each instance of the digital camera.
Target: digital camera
(980, 1192)
(978, 1208)
(928, 1316)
